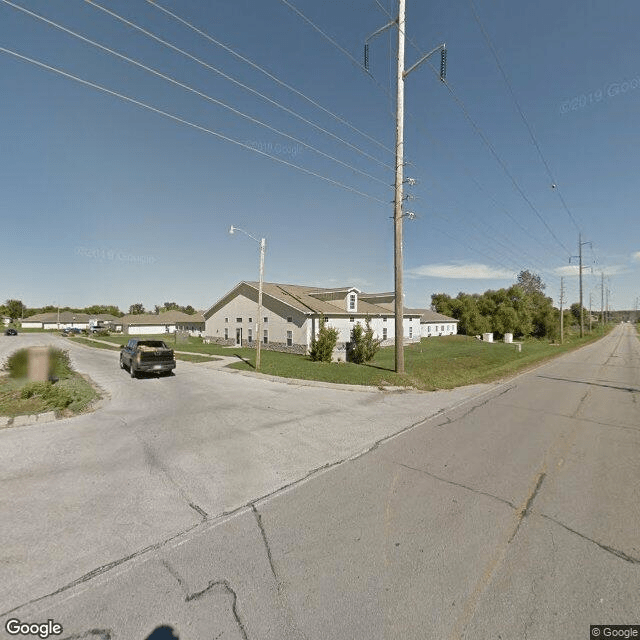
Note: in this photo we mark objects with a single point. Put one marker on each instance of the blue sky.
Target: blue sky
(108, 202)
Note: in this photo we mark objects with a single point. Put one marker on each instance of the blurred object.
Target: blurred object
(38, 364)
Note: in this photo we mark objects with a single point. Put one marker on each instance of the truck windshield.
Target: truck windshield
(157, 344)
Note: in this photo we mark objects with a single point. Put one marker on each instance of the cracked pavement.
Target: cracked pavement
(286, 512)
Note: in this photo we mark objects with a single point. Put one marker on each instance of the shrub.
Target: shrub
(363, 345)
(54, 396)
(322, 347)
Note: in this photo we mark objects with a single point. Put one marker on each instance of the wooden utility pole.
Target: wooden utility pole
(397, 207)
(561, 310)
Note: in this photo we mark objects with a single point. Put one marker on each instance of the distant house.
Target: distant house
(292, 314)
(434, 324)
(6, 320)
(193, 324)
(55, 320)
(70, 319)
(165, 322)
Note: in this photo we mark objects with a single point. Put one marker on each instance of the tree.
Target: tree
(14, 309)
(530, 282)
(363, 345)
(322, 347)
(136, 309)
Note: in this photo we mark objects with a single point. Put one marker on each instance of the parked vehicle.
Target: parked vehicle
(69, 331)
(151, 356)
(10, 332)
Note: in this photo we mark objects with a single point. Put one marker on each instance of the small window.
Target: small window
(289, 338)
(384, 333)
(265, 339)
(289, 319)
(442, 329)
(250, 336)
(265, 319)
(410, 331)
(250, 319)
(239, 320)
(226, 319)
(352, 302)
(325, 319)
(384, 319)
(352, 319)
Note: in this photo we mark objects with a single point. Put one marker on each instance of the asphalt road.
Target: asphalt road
(511, 514)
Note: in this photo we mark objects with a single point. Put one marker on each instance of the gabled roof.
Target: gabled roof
(426, 315)
(308, 300)
(52, 316)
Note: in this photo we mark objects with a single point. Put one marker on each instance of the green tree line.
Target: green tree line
(522, 309)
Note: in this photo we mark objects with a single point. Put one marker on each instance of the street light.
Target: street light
(262, 242)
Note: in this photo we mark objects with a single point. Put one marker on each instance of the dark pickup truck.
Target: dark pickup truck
(149, 356)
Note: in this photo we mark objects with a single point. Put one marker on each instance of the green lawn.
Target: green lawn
(434, 363)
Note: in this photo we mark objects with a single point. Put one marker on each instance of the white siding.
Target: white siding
(149, 329)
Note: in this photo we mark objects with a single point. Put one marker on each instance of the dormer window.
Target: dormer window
(353, 299)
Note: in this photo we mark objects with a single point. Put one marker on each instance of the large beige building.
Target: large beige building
(291, 316)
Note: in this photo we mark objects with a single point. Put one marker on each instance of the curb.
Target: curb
(23, 421)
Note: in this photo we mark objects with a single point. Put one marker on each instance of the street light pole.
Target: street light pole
(263, 245)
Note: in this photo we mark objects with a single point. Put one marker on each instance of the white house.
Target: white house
(291, 316)
(68, 319)
(434, 324)
(165, 322)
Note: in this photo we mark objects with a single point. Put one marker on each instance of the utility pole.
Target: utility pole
(397, 205)
(399, 177)
(589, 311)
(579, 256)
(602, 301)
(561, 311)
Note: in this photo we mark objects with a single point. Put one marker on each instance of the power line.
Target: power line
(233, 80)
(486, 141)
(256, 66)
(175, 118)
(191, 89)
(522, 115)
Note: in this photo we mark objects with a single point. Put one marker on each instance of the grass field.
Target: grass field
(434, 363)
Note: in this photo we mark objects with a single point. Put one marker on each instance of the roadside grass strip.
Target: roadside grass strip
(433, 363)
(66, 392)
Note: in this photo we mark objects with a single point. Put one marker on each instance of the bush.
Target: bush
(363, 345)
(54, 396)
(322, 347)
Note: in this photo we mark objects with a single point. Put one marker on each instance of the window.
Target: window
(352, 302)
(352, 319)
(384, 319)
(442, 328)
(384, 333)
(239, 320)
(265, 319)
(410, 331)
(250, 319)
(250, 336)
(266, 336)
(226, 319)
(289, 319)
(226, 334)
(289, 338)
(325, 319)
(429, 328)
